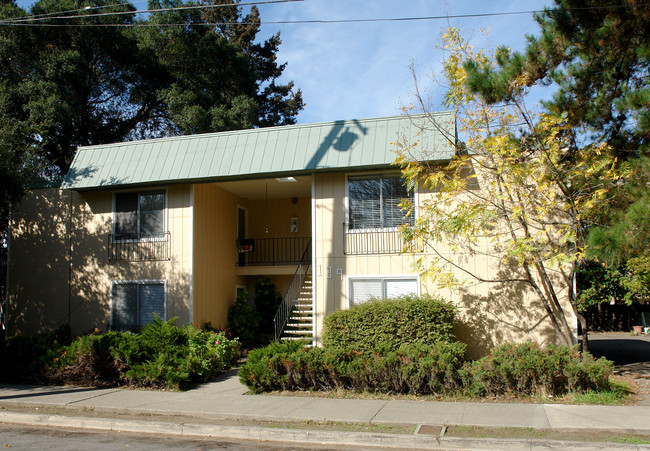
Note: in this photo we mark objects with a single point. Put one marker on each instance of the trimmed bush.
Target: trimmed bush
(263, 368)
(413, 368)
(527, 369)
(390, 323)
(438, 369)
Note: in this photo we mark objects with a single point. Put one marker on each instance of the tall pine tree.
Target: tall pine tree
(597, 56)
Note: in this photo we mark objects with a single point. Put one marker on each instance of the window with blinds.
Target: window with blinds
(374, 202)
(362, 289)
(136, 303)
(139, 214)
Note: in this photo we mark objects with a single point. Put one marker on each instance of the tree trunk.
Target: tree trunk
(585, 336)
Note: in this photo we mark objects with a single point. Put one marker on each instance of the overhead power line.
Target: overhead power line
(29, 21)
(38, 16)
(51, 16)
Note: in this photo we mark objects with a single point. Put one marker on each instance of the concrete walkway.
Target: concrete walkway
(226, 398)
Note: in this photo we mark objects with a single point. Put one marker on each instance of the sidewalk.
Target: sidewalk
(226, 398)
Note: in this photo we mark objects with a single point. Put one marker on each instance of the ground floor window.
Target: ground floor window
(135, 303)
(364, 288)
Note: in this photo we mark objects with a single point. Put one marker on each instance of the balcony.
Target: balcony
(372, 241)
(273, 251)
(134, 247)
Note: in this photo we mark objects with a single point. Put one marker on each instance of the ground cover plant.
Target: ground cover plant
(425, 361)
(160, 356)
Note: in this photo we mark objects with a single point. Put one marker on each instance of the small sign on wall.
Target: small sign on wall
(294, 224)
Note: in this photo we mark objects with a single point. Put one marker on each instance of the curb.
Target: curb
(225, 432)
(304, 437)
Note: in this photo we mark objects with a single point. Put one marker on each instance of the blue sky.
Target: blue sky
(361, 70)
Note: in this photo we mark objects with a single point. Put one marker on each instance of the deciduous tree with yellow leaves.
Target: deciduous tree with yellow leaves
(516, 189)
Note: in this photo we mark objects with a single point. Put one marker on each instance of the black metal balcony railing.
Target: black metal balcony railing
(273, 251)
(135, 247)
(372, 241)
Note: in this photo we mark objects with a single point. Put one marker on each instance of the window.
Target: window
(374, 202)
(362, 289)
(134, 303)
(139, 214)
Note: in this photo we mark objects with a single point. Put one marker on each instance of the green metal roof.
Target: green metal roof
(264, 152)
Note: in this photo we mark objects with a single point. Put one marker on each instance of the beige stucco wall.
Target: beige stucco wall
(215, 254)
(59, 271)
(331, 293)
(489, 313)
(276, 214)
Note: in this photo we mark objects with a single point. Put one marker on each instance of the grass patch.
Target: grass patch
(344, 427)
(545, 434)
(620, 393)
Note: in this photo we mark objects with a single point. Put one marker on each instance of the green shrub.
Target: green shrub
(254, 326)
(267, 301)
(390, 322)
(264, 369)
(243, 321)
(527, 369)
(26, 359)
(413, 368)
(92, 360)
(161, 355)
(438, 369)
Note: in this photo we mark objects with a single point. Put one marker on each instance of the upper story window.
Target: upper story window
(374, 202)
(139, 214)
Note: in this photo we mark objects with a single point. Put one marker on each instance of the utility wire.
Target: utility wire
(22, 22)
(85, 8)
(51, 16)
(38, 16)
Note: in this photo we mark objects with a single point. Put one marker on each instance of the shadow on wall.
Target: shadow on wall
(59, 270)
(510, 312)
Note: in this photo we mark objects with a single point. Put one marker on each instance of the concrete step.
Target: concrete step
(292, 338)
(303, 333)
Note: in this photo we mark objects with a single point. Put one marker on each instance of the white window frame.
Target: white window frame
(383, 278)
(141, 239)
(138, 282)
(371, 175)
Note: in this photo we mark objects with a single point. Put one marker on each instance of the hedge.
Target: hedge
(523, 369)
(528, 368)
(412, 368)
(390, 322)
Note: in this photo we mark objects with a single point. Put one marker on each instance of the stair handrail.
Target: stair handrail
(291, 295)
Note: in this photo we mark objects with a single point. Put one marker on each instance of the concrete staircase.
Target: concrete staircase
(301, 319)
